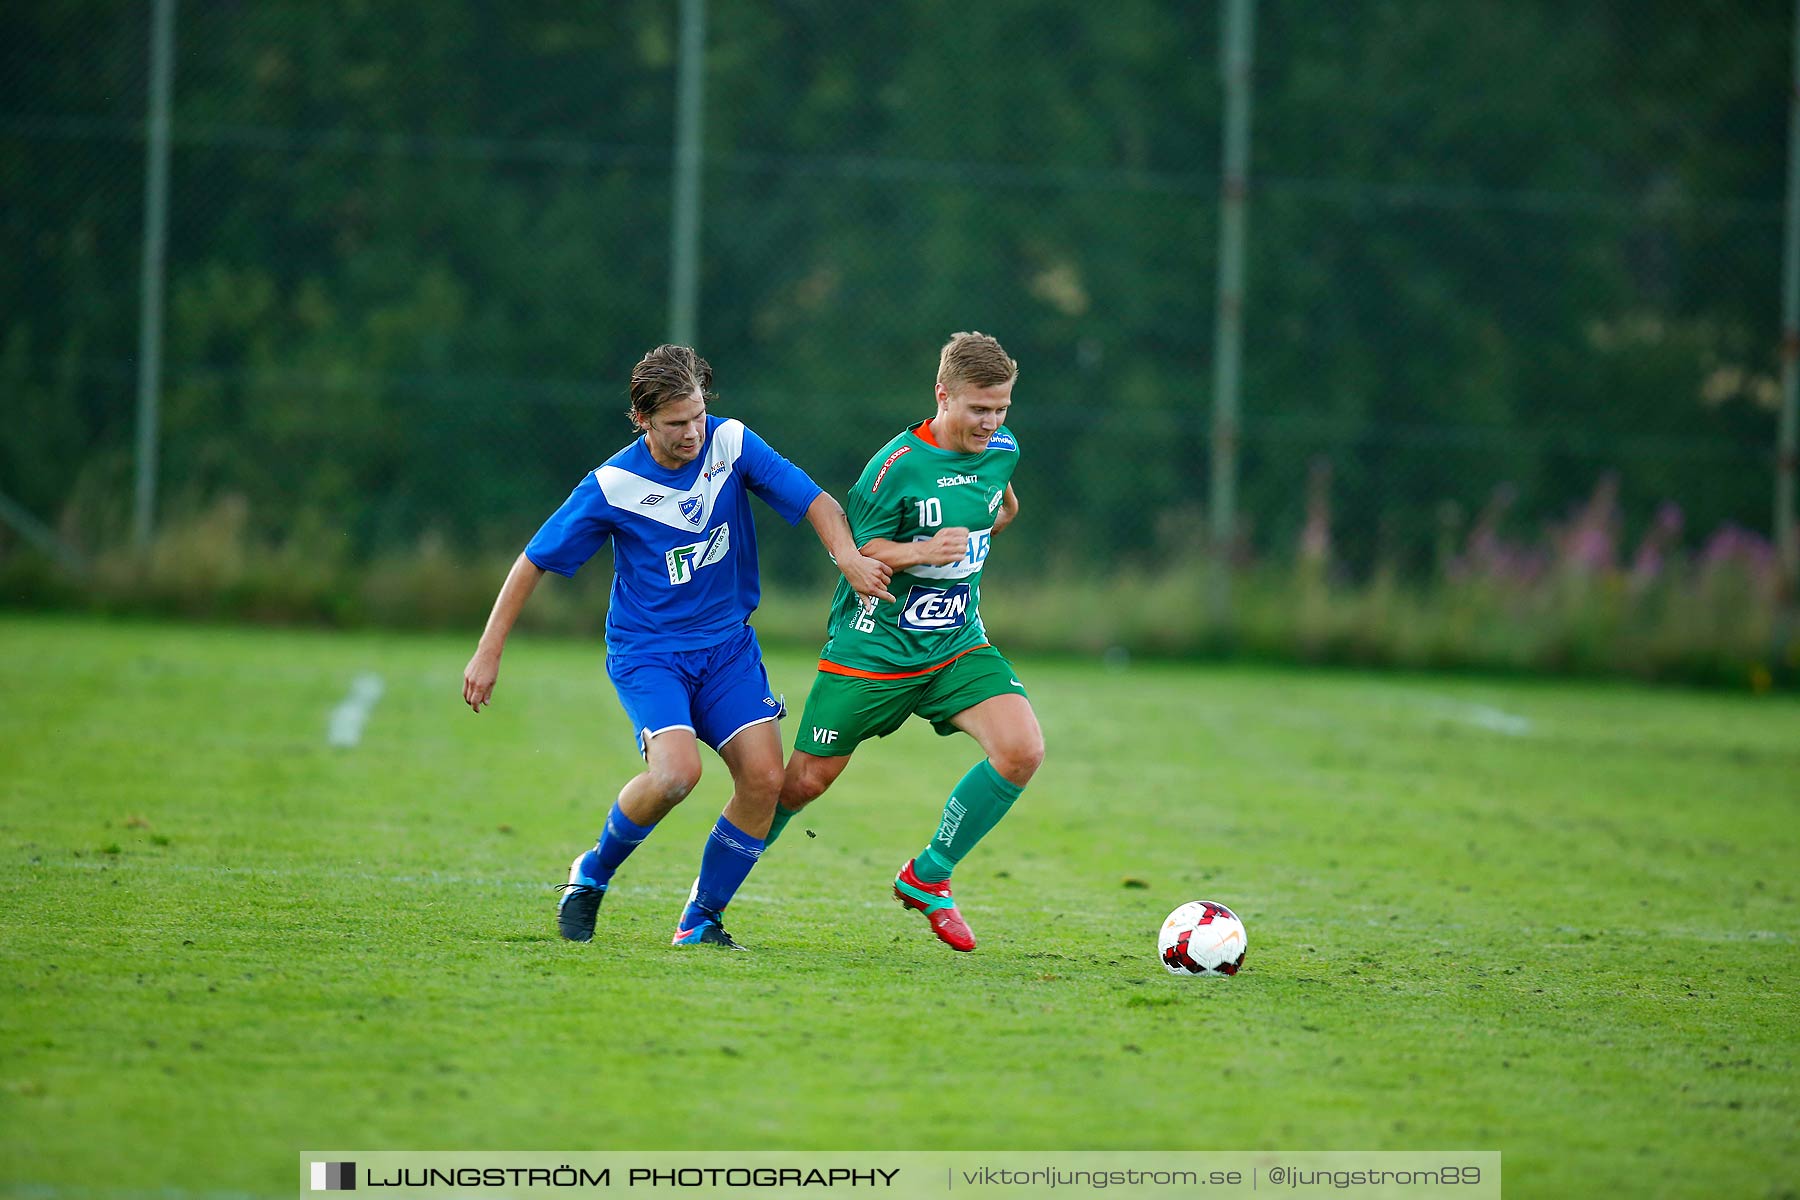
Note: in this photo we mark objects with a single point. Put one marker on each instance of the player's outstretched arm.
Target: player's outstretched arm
(868, 576)
(484, 667)
(1009, 508)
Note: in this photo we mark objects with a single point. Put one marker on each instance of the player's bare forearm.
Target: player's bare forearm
(868, 576)
(484, 666)
(943, 548)
(1009, 508)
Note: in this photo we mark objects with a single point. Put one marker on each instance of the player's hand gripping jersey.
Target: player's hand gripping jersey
(911, 489)
(684, 547)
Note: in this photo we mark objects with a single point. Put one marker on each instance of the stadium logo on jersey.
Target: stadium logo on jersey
(881, 474)
(653, 498)
(685, 560)
(928, 609)
(693, 508)
(954, 480)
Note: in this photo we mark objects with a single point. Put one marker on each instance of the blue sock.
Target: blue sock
(728, 857)
(620, 837)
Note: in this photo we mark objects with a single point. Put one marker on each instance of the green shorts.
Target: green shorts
(843, 711)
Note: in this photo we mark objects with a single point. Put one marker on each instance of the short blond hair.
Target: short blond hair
(974, 360)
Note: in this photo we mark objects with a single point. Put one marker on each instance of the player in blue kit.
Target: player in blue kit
(680, 651)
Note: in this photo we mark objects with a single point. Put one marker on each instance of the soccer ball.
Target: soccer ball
(1202, 938)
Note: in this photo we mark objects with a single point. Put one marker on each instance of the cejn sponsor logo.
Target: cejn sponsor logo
(928, 609)
(683, 561)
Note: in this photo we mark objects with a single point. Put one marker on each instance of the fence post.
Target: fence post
(1228, 328)
(156, 236)
(1787, 452)
(684, 224)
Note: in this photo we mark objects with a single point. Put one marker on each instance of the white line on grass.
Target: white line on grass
(1482, 716)
(348, 718)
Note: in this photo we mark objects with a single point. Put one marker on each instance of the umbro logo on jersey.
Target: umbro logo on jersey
(652, 498)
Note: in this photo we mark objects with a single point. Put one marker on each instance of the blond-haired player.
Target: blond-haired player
(928, 505)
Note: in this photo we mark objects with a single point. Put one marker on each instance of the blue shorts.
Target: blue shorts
(717, 693)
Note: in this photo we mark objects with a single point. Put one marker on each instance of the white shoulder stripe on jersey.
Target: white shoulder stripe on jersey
(690, 510)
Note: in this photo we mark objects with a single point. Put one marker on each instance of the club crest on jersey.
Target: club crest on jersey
(928, 609)
(693, 508)
(683, 561)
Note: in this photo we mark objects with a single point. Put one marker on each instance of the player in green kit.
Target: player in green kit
(928, 505)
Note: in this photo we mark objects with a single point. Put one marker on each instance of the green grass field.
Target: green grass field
(1556, 920)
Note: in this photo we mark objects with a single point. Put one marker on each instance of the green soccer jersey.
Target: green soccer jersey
(911, 489)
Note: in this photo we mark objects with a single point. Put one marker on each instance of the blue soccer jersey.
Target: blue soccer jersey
(684, 545)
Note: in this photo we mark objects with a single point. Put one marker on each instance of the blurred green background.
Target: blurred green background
(1511, 325)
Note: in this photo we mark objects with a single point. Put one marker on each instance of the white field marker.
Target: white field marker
(348, 718)
(1497, 720)
(1482, 716)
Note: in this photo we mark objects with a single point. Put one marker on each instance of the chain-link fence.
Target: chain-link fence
(1497, 254)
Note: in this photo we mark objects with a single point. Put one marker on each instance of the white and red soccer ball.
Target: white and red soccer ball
(1202, 938)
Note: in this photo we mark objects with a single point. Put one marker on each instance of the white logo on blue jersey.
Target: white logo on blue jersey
(693, 509)
(931, 609)
(685, 560)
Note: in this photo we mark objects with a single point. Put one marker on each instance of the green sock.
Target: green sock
(783, 814)
(975, 807)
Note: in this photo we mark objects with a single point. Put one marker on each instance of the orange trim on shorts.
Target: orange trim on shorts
(831, 668)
